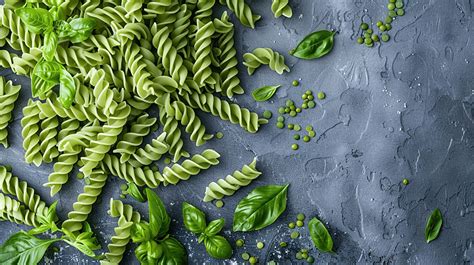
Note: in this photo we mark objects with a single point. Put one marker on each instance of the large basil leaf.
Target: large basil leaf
(218, 247)
(320, 236)
(214, 227)
(264, 93)
(174, 253)
(159, 218)
(37, 20)
(44, 77)
(193, 218)
(315, 45)
(23, 248)
(260, 208)
(81, 29)
(433, 226)
(67, 89)
(63, 29)
(50, 45)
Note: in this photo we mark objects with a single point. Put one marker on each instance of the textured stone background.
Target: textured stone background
(404, 109)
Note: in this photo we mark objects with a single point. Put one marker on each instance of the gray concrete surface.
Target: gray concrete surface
(404, 109)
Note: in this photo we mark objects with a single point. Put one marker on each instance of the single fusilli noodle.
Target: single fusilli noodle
(203, 48)
(242, 11)
(13, 211)
(151, 152)
(267, 56)
(281, 7)
(8, 96)
(31, 139)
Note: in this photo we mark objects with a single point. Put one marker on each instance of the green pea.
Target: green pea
(388, 20)
(281, 119)
(304, 250)
(310, 97)
(253, 260)
(406, 181)
(368, 41)
(306, 138)
(290, 126)
(366, 35)
(311, 134)
(321, 95)
(292, 108)
(400, 12)
(370, 45)
(123, 187)
(80, 175)
(391, 1)
(304, 255)
(289, 103)
(299, 255)
(370, 31)
(287, 110)
(391, 6)
(292, 113)
(167, 160)
(399, 4)
(383, 28)
(281, 110)
(375, 37)
(219, 135)
(308, 92)
(364, 26)
(309, 128)
(291, 225)
(298, 110)
(379, 23)
(299, 223)
(385, 37)
(304, 96)
(260, 245)
(239, 242)
(360, 40)
(310, 260)
(304, 105)
(295, 83)
(283, 244)
(300, 217)
(311, 104)
(388, 26)
(294, 146)
(245, 256)
(392, 13)
(267, 114)
(297, 127)
(122, 196)
(280, 125)
(219, 204)
(155, 168)
(296, 137)
(294, 235)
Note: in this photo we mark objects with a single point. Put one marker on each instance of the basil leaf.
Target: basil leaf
(193, 218)
(37, 20)
(23, 248)
(141, 232)
(320, 236)
(63, 29)
(135, 192)
(50, 45)
(39, 230)
(264, 93)
(81, 29)
(218, 247)
(159, 218)
(44, 77)
(315, 45)
(433, 225)
(260, 208)
(173, 253)
(141, 252)
(67, 89)
(214, 227)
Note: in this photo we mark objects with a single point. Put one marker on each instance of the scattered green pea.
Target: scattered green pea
(122, 196)
(379, 23)
(310, 97)
(375, 37)
(392, 13)
(287, 110)
(267, 114)
(292, 113)
(360, 40)
(310, 260)
(281, 110)
(366, 35)
(309, 92)
(219, 204)
(406, 181)
(260, 245)
(297, 127)
(370, 31)
(304, 106)
(300, 217)
(399, 4)
(295, 146)
(296, 137)
(370, 45)
(400, 12)
(281, 119)
(309, 128)
(295, 83)
(291, 225)
(388, 19)
(294, 235)
(364, 26)
(289, 103)
(239, 242)
(245, 256)
(388, 27)
(290, 126)
(385, 37)
(383, 28)
(253, 260)
(304, 255)
(123, 187)
(298, 110)
(304, 250)
(304, 96)
(311, 104)
(299, 223)
(219, 135)
(292, 108)
(80, 175)
(299, 255)
(167, 160)
(311, 134)
(306, 138)
(321, 95)
(368, 40)
(283, 244)
(391, 6)
(280, 125)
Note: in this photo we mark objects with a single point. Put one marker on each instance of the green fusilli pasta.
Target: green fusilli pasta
(13, 211)
(103, 93)
(151, 152)
(229, 185)
(173, 136)
(180, 32)
(203, 48)
(267, 56)
(204, 10)
(281, 7)
(8, 96)
(242, 11)
(48, 138)
(31, 139)
(52, 107)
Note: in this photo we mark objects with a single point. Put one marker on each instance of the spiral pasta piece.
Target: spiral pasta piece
(203, 48)
(229, 185)
(13, 211)
(180, 32)
(31, 139)
(204, 10)
(242, 11)
(134, 9)
(134, 138)
(11, 185)
(230, 82)
(83, 206)
(25, 64)
(48, 138)
(207, 102)
(173, 136)
(52, 107)
(118, 14)
(106, 139)
(134, 31)
(76, 58)
(21, 38)
(267, 56)
(7, 59)
(104, 96)
(151, 152)
(141, 176)
(281, 7)
(190, 167)
(8, 96)
(68, 127)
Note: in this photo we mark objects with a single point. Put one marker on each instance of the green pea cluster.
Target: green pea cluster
(302, 254)
(369, 37)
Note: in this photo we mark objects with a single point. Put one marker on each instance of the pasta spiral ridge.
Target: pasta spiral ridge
(142, 176)
(190, 167)
(77, 59)
(204, 10)
(13, 211)
(8, 96)
(83, 205)
(242, 11)
(48, 138)
(31, 139)
(134, 138)
(179, 35)
(134, 9)
(229, 185)
(7, 59)
(173, 136)
(151, 152)
(117, 14)
(281, 7)
(203, 48)
(104, 95)
(267, 56)
(21, 38)
(68, 127)
(52, 107)
(25, 64)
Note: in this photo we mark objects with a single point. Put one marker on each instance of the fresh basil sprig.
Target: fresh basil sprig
(433, 225)
(24, 248)
(315, 45)
(260, 208)
(264, 93)
(48, 221)
(195, 221)
(320, 236)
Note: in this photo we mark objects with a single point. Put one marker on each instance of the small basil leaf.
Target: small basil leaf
(39, 230)
(141, 252)
(214, 227)
(155, 251)
(315, 45)
(67, 89)
(50, 45)
(201, 238)
(320, 236)
(63, 29)
(193, 218)
(23, 248)
(81, 29)
(218, 247)
(264, 93)
(135, 192)
(48, 71)
(260, 208)
(159, 218)
(173, 253)
(433, 225)
(37, 20)
(141, 232)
